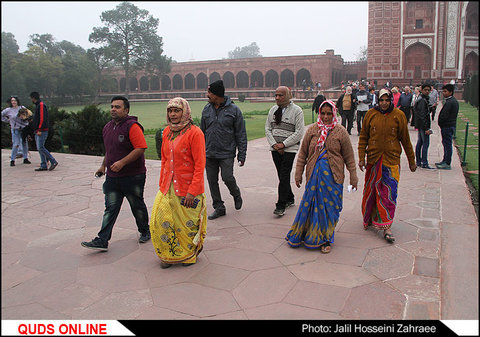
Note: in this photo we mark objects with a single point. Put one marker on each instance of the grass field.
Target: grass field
(468, 113)
(152, 115)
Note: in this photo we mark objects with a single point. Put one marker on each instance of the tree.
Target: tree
(362, 54)
(251, 50)
(130, 35)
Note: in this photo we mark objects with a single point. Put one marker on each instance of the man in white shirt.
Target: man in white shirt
(284, 131)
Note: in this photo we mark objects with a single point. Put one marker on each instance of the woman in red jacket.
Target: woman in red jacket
(179, 219)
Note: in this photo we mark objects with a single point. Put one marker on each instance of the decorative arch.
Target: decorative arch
(470, 66)
(229, 80)
(189, 81)
(271, 79)
(202, 81)
(177, 82)
(303, 74)
(133, 84)
(144, 83)
(287, 78)
(256, 79)
(214, 77)
(242, 79)
(166, 83)
(154, 83)
(418, 58)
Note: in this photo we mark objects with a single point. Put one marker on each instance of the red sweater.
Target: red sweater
(183, 162)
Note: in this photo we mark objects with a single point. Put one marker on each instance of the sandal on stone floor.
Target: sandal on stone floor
(389, 237)
(326, 248)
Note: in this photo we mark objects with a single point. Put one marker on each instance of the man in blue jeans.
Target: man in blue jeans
(40, 127)
(124, 164)
(447, 121)
(422, 123)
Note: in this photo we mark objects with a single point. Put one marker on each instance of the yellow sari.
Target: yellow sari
(178, 232)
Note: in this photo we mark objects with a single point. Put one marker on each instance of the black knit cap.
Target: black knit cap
(217, 88)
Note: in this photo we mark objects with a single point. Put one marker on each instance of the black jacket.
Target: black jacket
(224, 131)
(340, 103)
(448, 115)
(40, 117)
(317, 102)
(422, 113)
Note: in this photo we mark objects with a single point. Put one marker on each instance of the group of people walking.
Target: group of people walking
(178, 221)
(23, 123)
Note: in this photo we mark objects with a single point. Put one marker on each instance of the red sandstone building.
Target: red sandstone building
(413, 41)
(408, 42)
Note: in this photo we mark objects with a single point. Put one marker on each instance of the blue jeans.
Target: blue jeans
(17, 142)
(42, 151)
(115, 189)
(447, 139)
(421, 150)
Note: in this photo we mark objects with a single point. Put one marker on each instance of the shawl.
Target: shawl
(186, 120)
(325, 128)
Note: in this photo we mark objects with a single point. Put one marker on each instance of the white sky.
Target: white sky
(207, 30)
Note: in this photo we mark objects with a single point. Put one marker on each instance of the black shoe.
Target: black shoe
(279, 211)
(144, 237)
(440, 163)
(238, 201)
(96, 244)
(52, 166)
(41, 169)
(26, 161)
(428, 167)
(290, 204)
(12, 162)
(217, 213)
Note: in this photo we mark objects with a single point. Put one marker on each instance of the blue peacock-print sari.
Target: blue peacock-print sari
(319, 210)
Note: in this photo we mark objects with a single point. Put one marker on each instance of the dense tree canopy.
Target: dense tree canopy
(251, 50)
(129, 37)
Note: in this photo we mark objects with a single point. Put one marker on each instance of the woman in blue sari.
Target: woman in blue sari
(325, 151)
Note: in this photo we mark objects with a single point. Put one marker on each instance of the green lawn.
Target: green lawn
(468, 113)
(152, 115)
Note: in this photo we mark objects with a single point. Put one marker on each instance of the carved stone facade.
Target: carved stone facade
(414, 41)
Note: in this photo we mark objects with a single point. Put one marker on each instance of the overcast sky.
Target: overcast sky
(198, 31)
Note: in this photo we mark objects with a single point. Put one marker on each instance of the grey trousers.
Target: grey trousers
(213, 167)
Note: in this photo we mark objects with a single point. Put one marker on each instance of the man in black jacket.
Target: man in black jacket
(317, 102)
(447, 121)
(224, 128)
(422, 123)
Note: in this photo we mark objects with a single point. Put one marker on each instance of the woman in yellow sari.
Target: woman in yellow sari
(179, 219)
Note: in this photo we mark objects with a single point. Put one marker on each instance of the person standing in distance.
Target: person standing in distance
(284, 130)
(224, 128)
(40, 127)
(447, 121)
(124, 164)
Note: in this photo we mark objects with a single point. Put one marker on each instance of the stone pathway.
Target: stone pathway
(247, 270)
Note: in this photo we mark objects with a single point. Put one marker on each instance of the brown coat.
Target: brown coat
(339, 153)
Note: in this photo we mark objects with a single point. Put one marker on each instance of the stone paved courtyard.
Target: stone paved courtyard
(247, 270)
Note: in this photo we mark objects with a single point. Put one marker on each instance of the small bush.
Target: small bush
(82, 132)
(241, 98)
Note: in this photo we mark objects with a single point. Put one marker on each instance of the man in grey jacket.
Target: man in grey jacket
(224, 128)
(364, 100)
(284, 130)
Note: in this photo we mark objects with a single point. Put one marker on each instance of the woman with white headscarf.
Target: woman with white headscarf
(179, 218)
(325, 150)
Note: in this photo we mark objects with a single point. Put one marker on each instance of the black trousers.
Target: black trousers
(284, 164)
(213, 167)
(347, 116)
(360, 115)
(406, 111)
